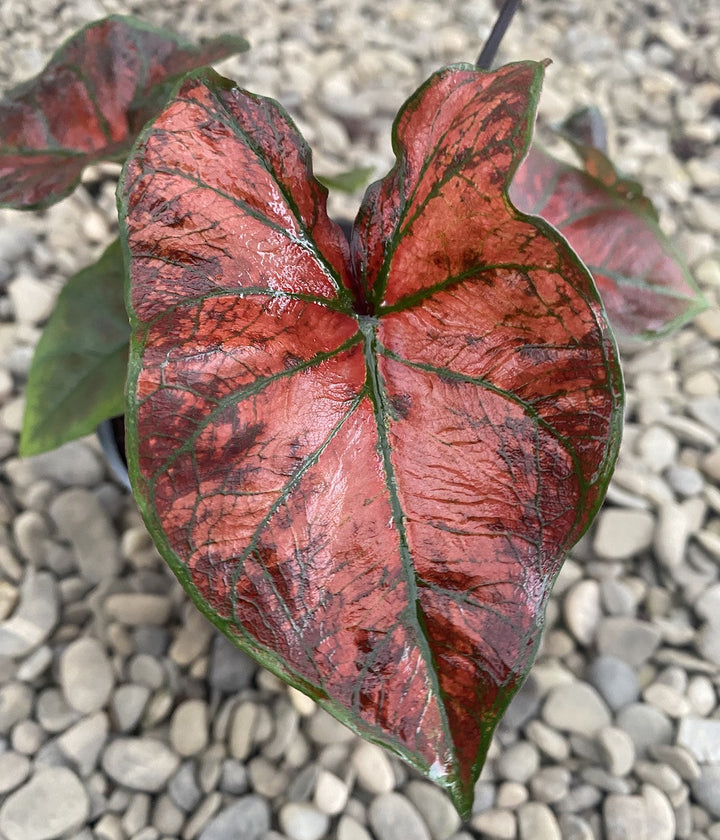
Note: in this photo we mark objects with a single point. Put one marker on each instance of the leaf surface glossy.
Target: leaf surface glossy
(366, 462)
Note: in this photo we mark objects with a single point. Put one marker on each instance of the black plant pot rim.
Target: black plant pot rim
(111, 434)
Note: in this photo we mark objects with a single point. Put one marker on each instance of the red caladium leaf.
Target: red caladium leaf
(89, 103)
(613, 227)
(366, 464)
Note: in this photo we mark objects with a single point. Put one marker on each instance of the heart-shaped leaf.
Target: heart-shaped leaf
(77, 377)
(613, 227)
(89, 103)
(366, 467)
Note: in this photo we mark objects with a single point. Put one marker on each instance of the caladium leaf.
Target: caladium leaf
(645, 286)
(89, 103)
(77, 377)
(366, 462)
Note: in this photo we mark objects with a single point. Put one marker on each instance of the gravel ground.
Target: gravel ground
(124, 715)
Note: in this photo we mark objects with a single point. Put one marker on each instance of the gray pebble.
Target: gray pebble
(483, 796)
(524, 704)
(137, 814)
(537, 822)
(331, 793)
(576, 707)
(600, 778)
(31, 534)
(554, 745)
(350, 829)
(128, 704)
(32, 299)
(146, 670)
(685, 481)
(16, 701)
(302, 785)
(210, 768)
(301, 821)
(671, 535)
(575, 828)
(622, 533)
(81, 520)
(582, 797)
(660, 814)
(51, 803)
(266, 778)
(550, 784)
(679, 758)
(710, 541)
(35, 617)
(646, 725)
(241, 733)
(233, 778)
(138, 608)
(72, 465)
(143, 764)
(706, 789)
(27, 737)
(286, 720)
(510, 795)
(707, 640)
(231, 670)
(189, 733)
(616, 681)
(246, 819)
(498, 823)
(629, 639)
(707, 411)
(581, 609)
(150, 640)
(625, 817)
(14, 769)
(324, 729)
(617, 597)
(519, 762)
(34, 665)
(435, 808)
(392, 816)
(701, 737)
(660, 775)
(183, 787)
(202, 815)
(193, 638)
(83, 742)
(374, 771)
(86, 676)
(657, 447)
(618, 750)
(668, 699)
(167, 818)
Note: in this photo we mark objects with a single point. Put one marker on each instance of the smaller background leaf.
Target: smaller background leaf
(89, 103)
(645, 286)
(77, 377)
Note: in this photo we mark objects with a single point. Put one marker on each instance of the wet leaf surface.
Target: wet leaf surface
(645, 286)
(365, 462)
(89, 103)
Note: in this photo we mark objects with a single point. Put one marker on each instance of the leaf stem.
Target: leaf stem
(505, 16)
